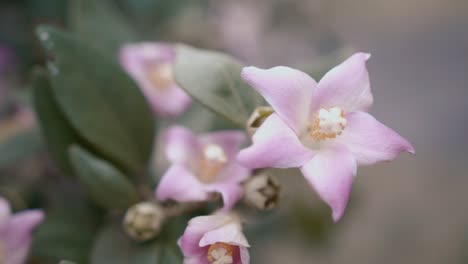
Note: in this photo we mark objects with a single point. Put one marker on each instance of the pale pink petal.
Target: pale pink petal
(346, 86)
(196, 228)
(137, 59)
(331, 173)
(275, 145)
(230, 233)
(182, 146)
(244, 255)
(371, 141)
(202, 259)
(18, 255)
(230, 192)
(228, 184)
(287, 90)
(180, 185)
(5, 210)
(19, 228)
(230, 141)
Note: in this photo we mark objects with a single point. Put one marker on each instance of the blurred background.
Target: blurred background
(413, 210)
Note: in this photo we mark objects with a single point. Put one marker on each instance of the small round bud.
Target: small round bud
(143, 221)
(262, 192)
(257, 118)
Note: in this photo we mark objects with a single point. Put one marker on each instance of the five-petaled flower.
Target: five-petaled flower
(324, 129)
(202, 165)
(216, 239)
(15, 233)
(151, 66)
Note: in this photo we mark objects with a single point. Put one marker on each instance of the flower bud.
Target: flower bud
(257, 118)
(143, 221)
(262, 191)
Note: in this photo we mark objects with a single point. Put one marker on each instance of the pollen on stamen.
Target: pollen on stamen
(161, 76)
(327, 123)
(220, 253)
(213, 160)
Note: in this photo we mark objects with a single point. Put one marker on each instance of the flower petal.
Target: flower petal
(230, 192)
(230, 233)
(346, 86)
(18, 255)
(274, 145)
(19, 228)
(170, 103)
(244, 255)
(202, 259)
(196, 228)
(182, 146)
(287, 90)
(331, 173)
(230, 141)
(137, 59)
(229, 184)
(180, 185)
(371, 141)
(5, 210)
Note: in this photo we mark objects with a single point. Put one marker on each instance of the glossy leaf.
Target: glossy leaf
(100, 101)
(102, 22)
(213, 79)
(105, 184)
(56, 130)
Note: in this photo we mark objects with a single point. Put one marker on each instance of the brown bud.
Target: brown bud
(143, 221)
(257, 118)
(262, 191)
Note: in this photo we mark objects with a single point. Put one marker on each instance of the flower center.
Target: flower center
(212, 161)
(2, 253)
(220, 253)
(327, 123)
(161, 76)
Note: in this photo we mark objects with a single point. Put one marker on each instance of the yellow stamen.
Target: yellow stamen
(220, 253)
(327, 124)
(212, 162)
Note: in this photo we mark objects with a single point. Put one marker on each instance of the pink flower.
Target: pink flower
(324, 129)
(15, 233)
(216, 239)
(150, 65)
(202, 165)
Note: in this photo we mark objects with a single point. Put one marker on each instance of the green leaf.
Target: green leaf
(114, 247)
(70, 226)
(213, 79)
(100, 101)
(106, 185)
(66, 262)
(56, 130)
(101, 22)
(20, 145)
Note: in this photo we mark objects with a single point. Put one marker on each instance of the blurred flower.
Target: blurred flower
(215, 239)
(202, 165)
(151, 66)
(143, 221)
(241, 25)
(15, 233)
(322, 128)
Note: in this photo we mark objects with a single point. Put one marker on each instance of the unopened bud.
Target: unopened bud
(262, 192)
(144, 221)
(257, 118)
